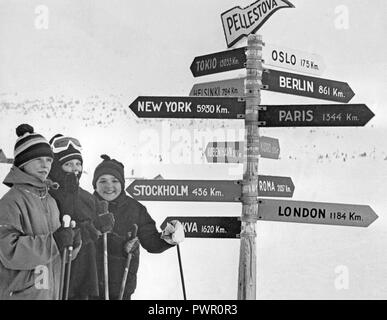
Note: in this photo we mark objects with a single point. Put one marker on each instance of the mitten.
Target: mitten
(71, 183)
(173, 232)
(64, 237)
(105, 222)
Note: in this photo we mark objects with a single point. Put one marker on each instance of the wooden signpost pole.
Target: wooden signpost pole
(247, 255)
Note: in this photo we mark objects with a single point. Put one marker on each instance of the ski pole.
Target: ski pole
(181, 271)
(126, 271)
(105, 254)
(68, 271)
(66, 223)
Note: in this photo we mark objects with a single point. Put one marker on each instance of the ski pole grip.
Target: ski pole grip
(66, 221)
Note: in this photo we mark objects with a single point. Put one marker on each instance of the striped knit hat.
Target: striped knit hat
(70, 148)
(29, 146)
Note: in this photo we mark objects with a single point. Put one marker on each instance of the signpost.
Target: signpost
(188, 107)
(230, 87)
(292, 59)
(232, 151)
(306, 86)
(240, 22)
(208, 227)
(219, 62)
(316, 212)
(321, 115)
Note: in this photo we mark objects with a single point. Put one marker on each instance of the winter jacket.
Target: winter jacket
(80, 205)
(127, 212)
(28, 252)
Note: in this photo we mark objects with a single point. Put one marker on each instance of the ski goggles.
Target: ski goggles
(63, 143)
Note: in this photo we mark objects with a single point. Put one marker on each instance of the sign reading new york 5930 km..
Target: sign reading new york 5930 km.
(188, 107)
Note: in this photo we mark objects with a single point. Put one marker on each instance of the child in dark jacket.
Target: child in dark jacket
(109, 185)
(82, 207)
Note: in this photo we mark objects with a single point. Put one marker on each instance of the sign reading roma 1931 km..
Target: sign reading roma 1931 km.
(316, 212)
(188, 107)
(238, 23)
(323, 115)
(208, 227)
(306, 86)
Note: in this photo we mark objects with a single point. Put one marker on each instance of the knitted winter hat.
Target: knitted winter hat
(29, 146)
(109, 166)
(66, 148)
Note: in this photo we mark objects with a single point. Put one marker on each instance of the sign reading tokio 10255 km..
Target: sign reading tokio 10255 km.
(240, 22)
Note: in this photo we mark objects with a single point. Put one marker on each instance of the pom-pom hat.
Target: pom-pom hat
(112, 167)
(29, 146)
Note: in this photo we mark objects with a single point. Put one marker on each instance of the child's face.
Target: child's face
(73, 165)
(108, 187)
(39, 167)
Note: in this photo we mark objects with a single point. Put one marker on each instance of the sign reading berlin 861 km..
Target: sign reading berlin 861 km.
(306, 86)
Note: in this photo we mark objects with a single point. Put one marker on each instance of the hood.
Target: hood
(17, 176)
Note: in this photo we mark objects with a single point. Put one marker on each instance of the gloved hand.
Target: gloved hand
(173, 232)
(131, 245)
(77, 238)
(105, 222)
(71, 182)
(64, 237)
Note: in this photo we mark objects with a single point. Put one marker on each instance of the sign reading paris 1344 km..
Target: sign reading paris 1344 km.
(208, 227)
(188, 107)
(316, 212)
(240, 22)
(322, 115)
(306, 86)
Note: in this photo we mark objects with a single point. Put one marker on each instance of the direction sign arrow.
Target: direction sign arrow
(188, 107)
(230, 87)
(232, 151)
(185, 190)
(208, 227)
(3, 158)
(292, 59)
(240, 22)
(316, 212)
(219, 62)
(207, 190)
(320, 115)
(273, 186)
(306, 86)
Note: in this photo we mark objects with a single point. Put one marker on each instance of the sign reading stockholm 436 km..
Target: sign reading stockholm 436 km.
(238, 23)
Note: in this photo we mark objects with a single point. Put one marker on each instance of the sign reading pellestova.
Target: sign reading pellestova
(239, 23)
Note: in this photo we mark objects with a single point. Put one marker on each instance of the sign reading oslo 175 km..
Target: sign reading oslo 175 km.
(238, 23)
(208, 227)
(316, 212)
(340, 115)
(188, 107)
